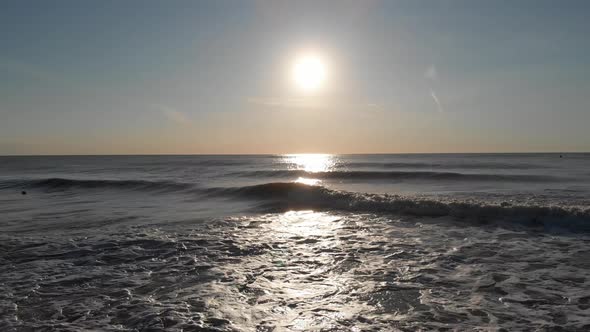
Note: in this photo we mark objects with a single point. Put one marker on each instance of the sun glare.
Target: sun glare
(308, 181)
(309, 72)
(312, 163)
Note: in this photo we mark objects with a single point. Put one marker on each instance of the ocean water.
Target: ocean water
(452, 242)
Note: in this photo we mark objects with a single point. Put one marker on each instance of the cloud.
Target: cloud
(431, 73)
(172, 114)
(436, 101)
(312, 103)
(284, 102)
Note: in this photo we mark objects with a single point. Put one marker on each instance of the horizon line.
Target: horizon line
(281, 154)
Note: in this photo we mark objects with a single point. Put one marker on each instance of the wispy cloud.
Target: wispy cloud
(436, 101)
(431, 75)
(285, 102)
(173, 114)
(299, 103)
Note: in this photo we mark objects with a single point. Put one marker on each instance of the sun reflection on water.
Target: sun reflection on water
(308, 181)
(311, 162)
(306, 238)
(304, 223)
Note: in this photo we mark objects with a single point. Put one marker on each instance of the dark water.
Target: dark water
(295, 243)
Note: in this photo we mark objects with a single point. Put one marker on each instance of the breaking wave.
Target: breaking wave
(284, 196)
(401, 175)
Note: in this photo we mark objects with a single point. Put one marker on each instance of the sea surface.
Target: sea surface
(449, 242)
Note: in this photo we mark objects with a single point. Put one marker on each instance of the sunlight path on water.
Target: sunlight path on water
(298, 285)
(311, 162)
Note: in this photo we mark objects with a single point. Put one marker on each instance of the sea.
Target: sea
(306, 242)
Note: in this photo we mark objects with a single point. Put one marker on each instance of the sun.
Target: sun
(309, 72)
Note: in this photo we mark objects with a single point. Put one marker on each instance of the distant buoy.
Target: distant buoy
(23, 192)
(560, 156)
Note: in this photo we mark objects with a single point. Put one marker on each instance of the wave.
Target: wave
(452, 165)
(401, 175)
(285, 196)
(191, 162)
(60, 184)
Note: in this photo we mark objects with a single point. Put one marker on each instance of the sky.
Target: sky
(214, 77)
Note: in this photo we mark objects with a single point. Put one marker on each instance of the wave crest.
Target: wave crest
(401, 175)
(59, 184)
(283, 196)
(443, 165)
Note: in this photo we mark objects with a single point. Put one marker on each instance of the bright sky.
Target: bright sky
(110, 77)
